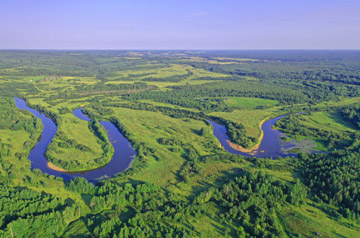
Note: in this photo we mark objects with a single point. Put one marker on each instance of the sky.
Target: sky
(179, 24)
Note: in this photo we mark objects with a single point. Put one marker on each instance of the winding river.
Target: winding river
(271, 144)
(124, 154)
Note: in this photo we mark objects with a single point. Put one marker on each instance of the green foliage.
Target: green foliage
(293, 125)
(181, 183)
(25, 213)
(11, 119)
(174, 78)
(334, 178)
(352, 114)
(237, 134)
(191, 95)
(253, 201)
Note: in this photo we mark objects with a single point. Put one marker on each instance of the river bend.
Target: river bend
(124, 154)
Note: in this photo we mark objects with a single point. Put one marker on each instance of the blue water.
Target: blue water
(123, 151)
(270, 146)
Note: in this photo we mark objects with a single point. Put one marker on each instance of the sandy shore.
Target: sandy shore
(255, 147)
(54, 167)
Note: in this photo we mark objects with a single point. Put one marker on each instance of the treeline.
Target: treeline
(100, 88)
(190, 95)
(149, 210)
(289, 65)
(249, 204)
(352, 114)
(173, 78)
(191, 167)
(61, 141)
(143, 152)
(27, 213)
(235, 130)
(237, 134)
(173, 112)
(228, 78)
(14, 119)
(55, 117)
(253, 201)
(11, 89)
(189, 153)
(64, 63)
(292, 125)
(100, 132)
(335, 179)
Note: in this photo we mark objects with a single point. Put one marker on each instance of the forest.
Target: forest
(181, 180)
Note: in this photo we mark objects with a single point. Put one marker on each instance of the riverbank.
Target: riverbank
(59, 169)
(122, 157)
(255, 147)
(56, 168)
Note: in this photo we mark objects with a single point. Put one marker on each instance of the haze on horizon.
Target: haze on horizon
(161, 24)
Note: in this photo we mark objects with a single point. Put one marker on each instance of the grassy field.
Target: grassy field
(158, 162)
(72, 128)
(148, 127)
(220, 60)
(161, 104)
(250, 118)
(249, 103)
(163, 86)
(163, 72)
(327, 121)
(310, 220)
(343, 101)
(77, 130)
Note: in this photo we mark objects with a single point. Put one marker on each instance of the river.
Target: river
(271, 144)
(124, 154)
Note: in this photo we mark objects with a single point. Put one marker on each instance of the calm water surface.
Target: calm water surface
(270, 146)
(123, 151)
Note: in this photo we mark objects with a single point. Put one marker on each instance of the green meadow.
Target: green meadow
(249, 103)
(182, 183)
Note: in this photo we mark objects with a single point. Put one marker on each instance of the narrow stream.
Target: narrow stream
(123, 151)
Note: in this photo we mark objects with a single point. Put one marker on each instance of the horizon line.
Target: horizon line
(39, 49)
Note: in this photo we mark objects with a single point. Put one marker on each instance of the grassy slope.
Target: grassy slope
(327, 121)
(310, 219)
(147, 127)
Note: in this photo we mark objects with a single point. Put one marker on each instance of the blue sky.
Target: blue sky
(180, 24)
